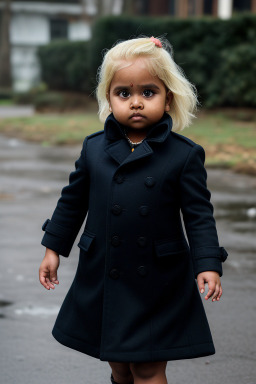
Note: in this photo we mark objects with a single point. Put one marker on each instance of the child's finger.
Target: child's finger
(216, 293)
(42, 279)
(49, 283)
(220, 294)
(53, 277)
(211, 289)
(200, 282)
(44, 284)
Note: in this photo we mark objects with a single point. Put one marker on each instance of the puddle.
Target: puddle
(20, 278)
(236, 211)
(37, 311)
(14, 143)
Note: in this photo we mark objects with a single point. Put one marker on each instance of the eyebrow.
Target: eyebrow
(120, 87)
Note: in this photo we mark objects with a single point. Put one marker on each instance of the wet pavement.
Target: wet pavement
(16, 111)
(31, 178)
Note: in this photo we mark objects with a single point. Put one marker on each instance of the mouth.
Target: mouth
(137, 116)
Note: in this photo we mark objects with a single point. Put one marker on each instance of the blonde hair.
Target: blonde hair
(160, 63)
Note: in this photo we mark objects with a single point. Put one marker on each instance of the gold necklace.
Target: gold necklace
(132, 143)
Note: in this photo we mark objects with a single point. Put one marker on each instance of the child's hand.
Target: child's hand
(214, 284)
(48, 269)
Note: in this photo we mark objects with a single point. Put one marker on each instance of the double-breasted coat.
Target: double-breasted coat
(134, 296)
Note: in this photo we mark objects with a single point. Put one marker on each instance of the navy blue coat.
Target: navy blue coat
(134, 296)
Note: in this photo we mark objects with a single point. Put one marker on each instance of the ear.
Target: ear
(168, 101)
(108, 99)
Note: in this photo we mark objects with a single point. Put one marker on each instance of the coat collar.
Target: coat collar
(158, 133)
(118, 147)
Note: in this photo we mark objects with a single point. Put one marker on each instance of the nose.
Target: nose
(136, 103)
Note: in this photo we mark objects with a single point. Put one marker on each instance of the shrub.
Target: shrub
(235, 84)
(65, 65)
(218, 56)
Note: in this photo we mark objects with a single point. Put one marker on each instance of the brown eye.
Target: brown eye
(124, 94)
(148, 93)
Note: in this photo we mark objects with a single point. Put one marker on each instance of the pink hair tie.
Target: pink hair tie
(156, 41)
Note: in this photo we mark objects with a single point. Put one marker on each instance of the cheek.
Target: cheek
(118, 107)
(158, 106)
(121, 107)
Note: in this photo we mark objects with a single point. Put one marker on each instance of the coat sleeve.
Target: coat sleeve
(71, 209)
(197, 212)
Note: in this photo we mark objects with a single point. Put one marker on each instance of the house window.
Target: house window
(208, 7)
(141, 7)
(172, 7)
(242, 5)
(59, 29)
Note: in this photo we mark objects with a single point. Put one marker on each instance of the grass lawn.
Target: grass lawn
(6, 102)
(228, 140)
(52, 129)
(228, 136)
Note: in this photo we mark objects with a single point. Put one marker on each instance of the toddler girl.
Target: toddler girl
(134, 301)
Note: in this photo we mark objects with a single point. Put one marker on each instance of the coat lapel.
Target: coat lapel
(119, 149)
(143, 150)
(121, 152)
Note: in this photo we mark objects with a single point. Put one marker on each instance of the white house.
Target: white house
(35, 23)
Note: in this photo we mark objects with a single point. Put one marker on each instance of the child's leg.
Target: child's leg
(149, 372)
(121, 372)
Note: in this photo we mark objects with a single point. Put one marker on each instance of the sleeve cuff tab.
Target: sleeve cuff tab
(224, 254)
(45, 224)
(56, 229)
(211, 251)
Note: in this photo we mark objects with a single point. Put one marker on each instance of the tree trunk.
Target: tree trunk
(109, 9)
(254, 6)
(5, 49)
(129, 8)
(100, 7)
(84, 15)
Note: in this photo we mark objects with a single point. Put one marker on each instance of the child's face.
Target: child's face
(137, 98)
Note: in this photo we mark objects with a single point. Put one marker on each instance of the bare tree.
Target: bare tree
(84, 14)
(100, 8)
(109, 9)
(105, 7)
(5, 62)
(136, 7)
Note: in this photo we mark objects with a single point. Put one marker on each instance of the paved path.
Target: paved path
(16, 111)
(31, 178)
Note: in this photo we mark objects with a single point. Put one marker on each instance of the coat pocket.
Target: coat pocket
(171, 261)
(86, 241)
(168, 247)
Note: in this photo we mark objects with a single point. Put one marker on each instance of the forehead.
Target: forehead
(135, 72)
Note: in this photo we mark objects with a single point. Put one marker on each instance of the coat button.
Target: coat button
(115, 241)
(114, 273)
(116, 209)
(150, 181)
(142, 241)
(142, 270)
(144, 210)
(119, 178)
